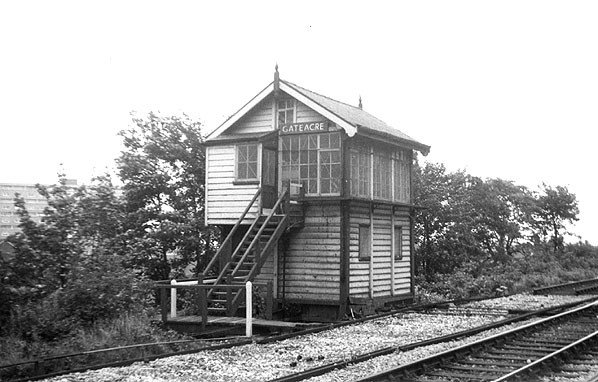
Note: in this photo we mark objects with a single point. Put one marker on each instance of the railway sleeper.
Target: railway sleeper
(468, 377)
(476, 368)
(524, 348)
(519, 352)
(517, 364)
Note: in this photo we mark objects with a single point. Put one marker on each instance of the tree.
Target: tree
(555, 207)
(163, 169)
(69, 268)
(502, 213)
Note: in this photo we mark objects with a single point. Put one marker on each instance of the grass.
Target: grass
(127, 329)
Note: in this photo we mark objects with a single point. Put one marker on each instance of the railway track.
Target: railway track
(127, 355)
(589, 286)
(512, 355)
(310, 373)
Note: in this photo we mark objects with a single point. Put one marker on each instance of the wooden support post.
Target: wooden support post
(269, 299)
(164, 304)
(203, 302)
(248, 310)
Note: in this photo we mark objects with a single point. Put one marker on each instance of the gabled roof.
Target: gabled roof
(352, 119)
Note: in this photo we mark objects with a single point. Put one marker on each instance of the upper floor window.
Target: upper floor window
(402, 176)
(247, 162)
(286, 111)
(312, 160)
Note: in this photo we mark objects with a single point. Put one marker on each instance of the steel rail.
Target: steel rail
(264, 340)
(548, 357)
(313, 372)
(451, 354)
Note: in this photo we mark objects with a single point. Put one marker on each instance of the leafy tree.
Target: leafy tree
(162, 168)
(68, 269)
(555, 207)
(502, 213)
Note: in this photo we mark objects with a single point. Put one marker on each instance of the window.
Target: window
(360, 172)
(402, 174)
(247, 162)
(382, 176)
(364, 242)
(286, 111)
(313, 160)
(398, 238)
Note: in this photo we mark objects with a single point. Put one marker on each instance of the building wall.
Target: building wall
(259, 119)
(310, 269)
(226, 201)
(34, 202)
(373, 277)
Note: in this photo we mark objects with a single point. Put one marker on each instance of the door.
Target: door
(269, 194)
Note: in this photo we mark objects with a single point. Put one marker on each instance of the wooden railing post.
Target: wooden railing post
(164, 304)
(203, 301)
(269, 299)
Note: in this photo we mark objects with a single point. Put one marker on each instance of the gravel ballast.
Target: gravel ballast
(268, 361)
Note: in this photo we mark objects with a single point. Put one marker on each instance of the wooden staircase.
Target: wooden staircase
(243, 263)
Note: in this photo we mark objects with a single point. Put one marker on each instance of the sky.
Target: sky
(501, 89)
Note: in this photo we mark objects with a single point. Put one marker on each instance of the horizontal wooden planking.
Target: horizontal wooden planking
(258, 119)
(298, 295)
(305, 114)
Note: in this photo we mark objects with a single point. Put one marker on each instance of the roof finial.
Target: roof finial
(276, 80)
(360, 104)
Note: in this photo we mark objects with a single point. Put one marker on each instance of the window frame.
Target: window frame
(239, 180)
(318, 151)
(286, 109)
(398, 242)
(365, 230)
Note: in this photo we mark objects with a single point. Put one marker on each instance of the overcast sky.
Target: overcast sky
(503, 89)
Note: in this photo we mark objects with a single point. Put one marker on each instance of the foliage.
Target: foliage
(68, 269)
(555, 207)
(467, 223)
(163, 170)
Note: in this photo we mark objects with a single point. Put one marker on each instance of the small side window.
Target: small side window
(365, 238)
(247, 162)
(398, 237)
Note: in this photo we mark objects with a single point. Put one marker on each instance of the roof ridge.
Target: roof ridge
(344, 103)
(322, 95)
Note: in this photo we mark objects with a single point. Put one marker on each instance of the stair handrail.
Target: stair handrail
(233, 254)
(229, 237)
(283, 197)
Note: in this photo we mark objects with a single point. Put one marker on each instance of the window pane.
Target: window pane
(325, 186)
(335, 141)
(252, 153)
(364, 242)
(398, 237)
(242, 170)
(252, 170)
(325, 141)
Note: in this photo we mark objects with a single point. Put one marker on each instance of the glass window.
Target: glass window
(313, 161)
(398, 237)
(286, 111)
(360, 172)
(402, 175)
(382, 176)
(247, 162)
(364, 242)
